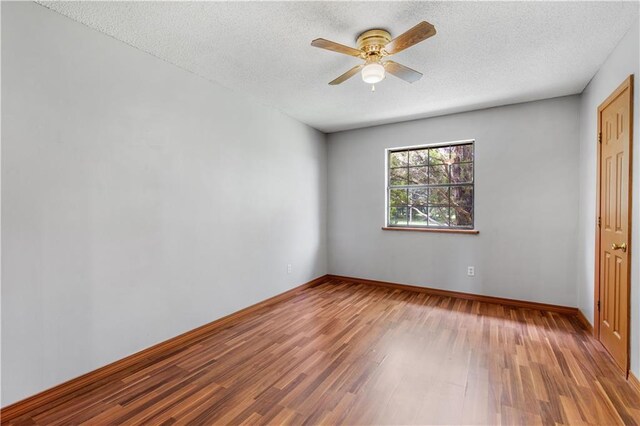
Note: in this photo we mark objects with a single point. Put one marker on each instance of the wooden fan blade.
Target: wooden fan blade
(415, 35)
(347, 75)
(335, 47)
(402, 72)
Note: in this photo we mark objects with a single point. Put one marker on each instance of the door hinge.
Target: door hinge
(599, 220)
(598, 306)
(599, 137)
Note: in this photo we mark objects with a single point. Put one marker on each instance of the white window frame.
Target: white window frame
(388, 187)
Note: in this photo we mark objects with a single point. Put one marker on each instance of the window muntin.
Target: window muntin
(431, 186)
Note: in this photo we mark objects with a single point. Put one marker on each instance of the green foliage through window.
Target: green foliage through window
(431, 186)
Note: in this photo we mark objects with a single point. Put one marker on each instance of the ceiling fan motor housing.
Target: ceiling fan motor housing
(371, 42)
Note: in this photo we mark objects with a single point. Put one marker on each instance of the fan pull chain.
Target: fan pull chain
(373, 87)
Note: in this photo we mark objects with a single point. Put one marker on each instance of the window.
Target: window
(431, 186)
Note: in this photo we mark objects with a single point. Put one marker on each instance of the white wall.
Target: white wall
(622, 62)
(526, 200)
(138, 200)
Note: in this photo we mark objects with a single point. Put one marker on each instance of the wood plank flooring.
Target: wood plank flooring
(361, 354)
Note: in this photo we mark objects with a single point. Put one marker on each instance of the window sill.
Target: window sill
(444, 231)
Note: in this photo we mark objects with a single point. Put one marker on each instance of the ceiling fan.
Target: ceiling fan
(374, 46)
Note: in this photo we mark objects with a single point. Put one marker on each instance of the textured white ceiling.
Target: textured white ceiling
(484, 54)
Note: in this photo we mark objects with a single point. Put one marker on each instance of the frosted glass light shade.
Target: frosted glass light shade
(373, 73)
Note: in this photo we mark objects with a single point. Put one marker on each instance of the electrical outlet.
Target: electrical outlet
(289, 268)
(471, 271)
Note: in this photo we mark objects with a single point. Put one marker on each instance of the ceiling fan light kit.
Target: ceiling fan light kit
(373, 46)
(373, 73)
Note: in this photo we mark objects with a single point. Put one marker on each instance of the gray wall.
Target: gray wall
(526, 200)
(622, 62)
(138, 200)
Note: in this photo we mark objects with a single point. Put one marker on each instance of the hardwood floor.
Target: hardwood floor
(361, 354)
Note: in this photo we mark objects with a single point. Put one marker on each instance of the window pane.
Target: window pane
(418, 175)
(418, 157)
(438, 175)
(461, 153)
(462, 173)
(439, 216)
(398, 159)
(398, 197)
(398, 176)
(418, 216)
(439, 196)
(462, 196)
(439, 155)
(397, 215)
(418, 196)
(438, 186)
(462, 216)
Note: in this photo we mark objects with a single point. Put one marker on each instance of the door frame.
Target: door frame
(627, 84)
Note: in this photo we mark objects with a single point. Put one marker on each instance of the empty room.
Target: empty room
(320, 213)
